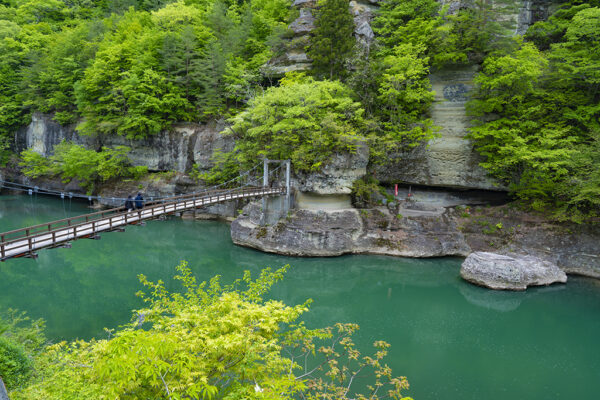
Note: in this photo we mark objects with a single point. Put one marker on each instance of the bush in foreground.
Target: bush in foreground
(214, 342)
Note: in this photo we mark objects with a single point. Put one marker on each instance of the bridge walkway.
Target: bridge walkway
(26, 241)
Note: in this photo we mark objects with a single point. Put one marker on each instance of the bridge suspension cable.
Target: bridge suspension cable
(31, 190)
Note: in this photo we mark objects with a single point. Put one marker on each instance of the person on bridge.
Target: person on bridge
(129, 203)
(139, 201)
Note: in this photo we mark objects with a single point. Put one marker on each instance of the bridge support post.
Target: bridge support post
(263, 215)
(288, 167)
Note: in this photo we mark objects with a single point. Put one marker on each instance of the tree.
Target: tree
(304, 120)
(214, 342)
(536, 117)
(15, 367)
(90, 167)
(392, 20)
(132, 67)
(404, 96)
(332, 41)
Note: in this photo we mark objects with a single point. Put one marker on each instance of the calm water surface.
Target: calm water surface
(452, 340)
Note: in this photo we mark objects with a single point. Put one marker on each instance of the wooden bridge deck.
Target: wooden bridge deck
(26, 241)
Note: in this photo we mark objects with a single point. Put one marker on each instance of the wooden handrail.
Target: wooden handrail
(101, 215)
(108, 216)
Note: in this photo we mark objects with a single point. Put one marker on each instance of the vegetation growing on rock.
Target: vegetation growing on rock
(537, 112)
(90, 167)
(303, 120)
(332, 41)
(132, 67)
(135, 67)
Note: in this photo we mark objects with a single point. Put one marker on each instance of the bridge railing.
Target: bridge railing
(64, 229)
(45, 228)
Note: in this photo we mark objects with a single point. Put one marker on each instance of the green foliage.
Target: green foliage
(545, 33)
(226, 168)
(536, 115)
(473, 32)
(4, 149)
(464, 37)
(214, 342)
(404, 97)
(19, 328)
(71, 161)
(392, 80)
(15, 367)
(21, 339)
(332, 41)
(364, 190)
(396, 20)
(132, 67)
(304, 120)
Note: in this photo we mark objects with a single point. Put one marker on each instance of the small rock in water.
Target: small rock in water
(496, 271)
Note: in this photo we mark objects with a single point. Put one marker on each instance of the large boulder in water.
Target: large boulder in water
(496, 271)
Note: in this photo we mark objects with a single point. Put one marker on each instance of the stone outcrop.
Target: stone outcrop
(172, 150)
(42, 134)
(422, 230)
(335, 232)
(450, 160)
(504, 272)
(337, 176)
(574, 248)
(295, 57)
(171, 153)
(305, 23)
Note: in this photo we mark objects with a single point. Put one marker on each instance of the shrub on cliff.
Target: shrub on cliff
(215, 342)
(304, 120)
(90, 167)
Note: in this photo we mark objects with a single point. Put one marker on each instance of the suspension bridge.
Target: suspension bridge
(25, 242)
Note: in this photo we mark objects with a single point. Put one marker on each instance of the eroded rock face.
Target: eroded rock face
(337, 176)
(574, 248)
(505, 272)
(335, 232)
(42, 134)
(306, 233)
(422, 232)
(173, 150)
(450, 160)
(304, 24)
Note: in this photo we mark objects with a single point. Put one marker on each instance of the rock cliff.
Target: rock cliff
(423, 232)
(450, 160)
(337, 176)
(173, 150)
(295, 58)
(335, 232)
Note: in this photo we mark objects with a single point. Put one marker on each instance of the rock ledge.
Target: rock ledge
(496, 271)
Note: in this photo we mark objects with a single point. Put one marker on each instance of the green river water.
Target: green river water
(451, 339)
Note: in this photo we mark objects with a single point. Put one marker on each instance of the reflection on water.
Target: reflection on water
(451, 339)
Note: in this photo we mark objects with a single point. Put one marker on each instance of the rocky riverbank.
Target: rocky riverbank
(449, 231)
